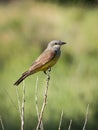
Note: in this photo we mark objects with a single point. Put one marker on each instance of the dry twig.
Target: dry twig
(86, 117)
(69, 128)
(44, 102)
(60, 121)
(21, 107)
(36, 101)
(1, 123)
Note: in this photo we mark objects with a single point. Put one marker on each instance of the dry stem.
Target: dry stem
(1, 123)
(36, 101)
(86, 117)
(44, 102)
(60, 121)
(21, 107)
(69, 128)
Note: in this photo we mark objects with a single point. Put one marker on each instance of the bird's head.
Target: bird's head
(56, 44)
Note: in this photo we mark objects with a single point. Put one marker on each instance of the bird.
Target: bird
(45, 61)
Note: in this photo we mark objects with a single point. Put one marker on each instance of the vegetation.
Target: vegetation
(25, 30)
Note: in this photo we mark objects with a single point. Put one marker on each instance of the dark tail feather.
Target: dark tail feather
(24, 75)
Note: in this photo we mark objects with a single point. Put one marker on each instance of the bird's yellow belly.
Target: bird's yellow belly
(49, 64)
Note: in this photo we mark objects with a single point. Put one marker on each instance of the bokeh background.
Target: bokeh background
(26, 26)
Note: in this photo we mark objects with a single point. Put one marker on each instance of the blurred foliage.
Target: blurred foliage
(87, 2)
(71, 1)
(25, 30)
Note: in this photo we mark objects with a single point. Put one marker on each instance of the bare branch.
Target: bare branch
(60, 121)
(86, 117)
(36, 101)
(69, 128)
(44, 102)
(1, 123)
(21, 107)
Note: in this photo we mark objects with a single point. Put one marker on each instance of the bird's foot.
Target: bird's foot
(47, 72)
(49, 69)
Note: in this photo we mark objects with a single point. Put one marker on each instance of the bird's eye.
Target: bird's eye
(56, 43)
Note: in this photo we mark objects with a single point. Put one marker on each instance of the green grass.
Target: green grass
(25, 29)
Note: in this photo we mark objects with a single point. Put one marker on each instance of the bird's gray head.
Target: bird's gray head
(55, 44)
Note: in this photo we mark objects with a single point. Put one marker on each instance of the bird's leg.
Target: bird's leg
(49, 69)
(47, 72)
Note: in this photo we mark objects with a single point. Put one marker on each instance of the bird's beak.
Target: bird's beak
(62, 43)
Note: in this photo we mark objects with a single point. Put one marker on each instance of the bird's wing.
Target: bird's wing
(43, 59)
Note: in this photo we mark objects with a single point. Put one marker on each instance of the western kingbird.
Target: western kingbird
(45, 61)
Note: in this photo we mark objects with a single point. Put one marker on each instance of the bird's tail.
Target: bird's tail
(24, 75)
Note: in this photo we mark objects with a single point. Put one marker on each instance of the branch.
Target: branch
(60, 121)
(1, 123)
(44, 102)
(21, 107)
(36, 101)
(86, 117)
(69, 128)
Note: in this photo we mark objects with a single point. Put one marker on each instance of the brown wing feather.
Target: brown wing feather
(43, 59)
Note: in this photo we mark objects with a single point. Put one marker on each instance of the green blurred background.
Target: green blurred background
(25, 29)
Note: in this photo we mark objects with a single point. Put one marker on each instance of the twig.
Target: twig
(36, 101)
(1, 123)
(60, 121)
(86, 117)
(69, 128)
(44, 102)
(21, 107)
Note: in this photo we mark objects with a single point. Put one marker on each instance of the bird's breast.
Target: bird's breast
(51, 62)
